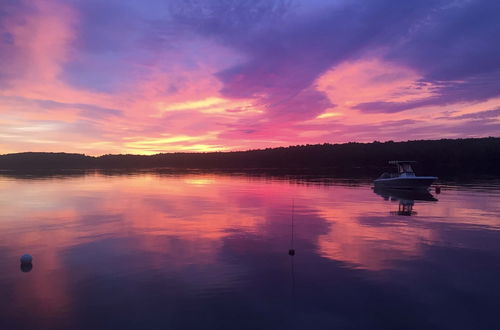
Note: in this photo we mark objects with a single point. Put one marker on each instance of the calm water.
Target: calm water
(204, 251)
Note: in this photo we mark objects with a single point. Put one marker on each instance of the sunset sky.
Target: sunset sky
(136, 76)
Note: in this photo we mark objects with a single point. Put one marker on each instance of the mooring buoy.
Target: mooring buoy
(26, 259)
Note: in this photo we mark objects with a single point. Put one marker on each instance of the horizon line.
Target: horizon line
(247, 150)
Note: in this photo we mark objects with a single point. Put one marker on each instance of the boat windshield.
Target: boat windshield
(405, 168)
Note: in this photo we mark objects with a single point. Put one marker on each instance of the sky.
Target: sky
(143, 77)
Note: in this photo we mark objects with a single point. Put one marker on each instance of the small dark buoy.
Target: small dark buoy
(26, 264)
(291, 252)
(437, 189)
(26, 259)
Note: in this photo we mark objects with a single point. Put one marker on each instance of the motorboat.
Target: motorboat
(405, 177)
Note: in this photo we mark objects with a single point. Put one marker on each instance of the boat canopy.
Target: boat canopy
(404, 166)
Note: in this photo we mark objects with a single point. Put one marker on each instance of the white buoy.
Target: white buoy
(26, 259)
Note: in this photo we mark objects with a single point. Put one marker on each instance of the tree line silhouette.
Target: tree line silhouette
(445, 156)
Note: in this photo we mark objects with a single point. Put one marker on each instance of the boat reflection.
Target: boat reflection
(406, 199)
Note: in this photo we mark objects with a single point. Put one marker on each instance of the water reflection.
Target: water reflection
(26, 268)
(198, 251)
(406, 199)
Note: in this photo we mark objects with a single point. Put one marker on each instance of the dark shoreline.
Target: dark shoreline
(444, 158)
(292, 174)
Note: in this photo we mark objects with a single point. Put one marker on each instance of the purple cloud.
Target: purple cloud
(286, 59)
(286, 47)
(457, 40)
(456, 50)
(287, 50)
(487, 114)
(475, 89)
(86, 110)
(12, 14)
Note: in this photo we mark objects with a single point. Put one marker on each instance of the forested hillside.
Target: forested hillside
(481, 155)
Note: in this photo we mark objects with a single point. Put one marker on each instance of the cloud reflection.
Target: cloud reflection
(98, 240)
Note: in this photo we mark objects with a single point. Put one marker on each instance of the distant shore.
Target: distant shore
(479, 156)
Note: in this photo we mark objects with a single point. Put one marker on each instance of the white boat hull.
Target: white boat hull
(409, 182)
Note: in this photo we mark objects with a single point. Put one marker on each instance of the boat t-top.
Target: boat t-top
(405, 178)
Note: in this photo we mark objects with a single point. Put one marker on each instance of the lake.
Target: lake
(212, 251)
